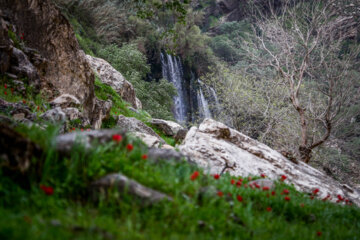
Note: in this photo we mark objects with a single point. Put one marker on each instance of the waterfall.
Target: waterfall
(173, 72)
(203, 103)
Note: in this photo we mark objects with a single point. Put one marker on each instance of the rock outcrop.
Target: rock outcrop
(124, 185)
(48, 45)
(114, 79)
(132, 125)
(169, 128)
(218, 148)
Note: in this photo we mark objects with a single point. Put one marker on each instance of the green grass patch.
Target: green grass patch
(194, 214)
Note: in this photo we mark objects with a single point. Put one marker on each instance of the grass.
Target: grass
(70, 214)
(8, 93)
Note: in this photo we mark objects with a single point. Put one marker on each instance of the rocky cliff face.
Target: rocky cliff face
(50, 45)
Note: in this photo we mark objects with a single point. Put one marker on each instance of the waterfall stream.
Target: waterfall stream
(173, 72)
(195, 100)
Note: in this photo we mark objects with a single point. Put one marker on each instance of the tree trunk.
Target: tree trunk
(305, 153)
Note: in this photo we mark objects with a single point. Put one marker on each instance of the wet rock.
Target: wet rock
(124, 185)
(218, 148)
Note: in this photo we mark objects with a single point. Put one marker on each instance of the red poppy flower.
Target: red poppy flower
(302, 205)
(232, 181)
(220, 194)
(273, 193)
(245, 185)
(88, 130)
(239, 198)
(12, 91)
(82, 129)
(287, 198)
(263, 175)
(340, 197)
(268, 209)
(238, 183)
(5, 93)
(240, 179)
(286, 192)
(194, 175)
(47, 190)
(316, 191)
(319, 233)
(24, 101)
(144, 156)
(216, 176)
(257, 185)
(283, 177)
(117, 138)
(38, 108)
(311, 197)
(5, 86)
(129, 147)
(115, 112)
(266, 188)
(73, 129)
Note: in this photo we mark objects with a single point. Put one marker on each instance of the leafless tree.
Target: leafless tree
(304, 44)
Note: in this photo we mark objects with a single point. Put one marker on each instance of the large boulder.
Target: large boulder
(218, 148)
(114, 79)
(133, 125)
(169, 128)
(51, 47)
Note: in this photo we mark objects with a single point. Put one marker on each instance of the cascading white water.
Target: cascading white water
(202, 102)
(172, 71)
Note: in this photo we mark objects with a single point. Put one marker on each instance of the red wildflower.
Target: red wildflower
(115, 112)
(302, 205)
(129, 147)
(88, 130)
(238, 183)
(265, 188)
(194, 175)
(316, 191)
(232, 181)
(47, 190)
(245, 185)
(311, 197)
(283, 177)
(319, 233)
(249, 178)
(144, 156)
(239, 198)
(286, 192)
(287, 198)
(216, 176)
(12, 91)
(340, 197)
(82, 129)
(5, 86)
(273, 193)
(73, 129)
(268, 209)
(220, 194)
(24, 101)
(240, 179)
(117, 138)
(38, 108)
(263, 175)
(5, 93)
(229, 194)
(257, 185)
